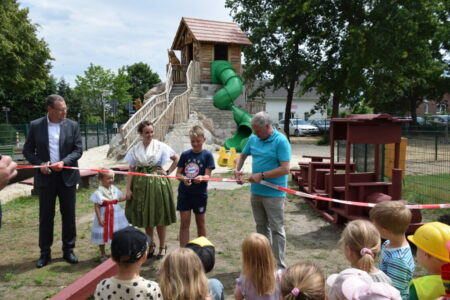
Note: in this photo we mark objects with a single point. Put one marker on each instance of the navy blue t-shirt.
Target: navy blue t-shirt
(195, 164)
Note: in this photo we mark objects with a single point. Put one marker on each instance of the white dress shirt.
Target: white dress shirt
(53, 140)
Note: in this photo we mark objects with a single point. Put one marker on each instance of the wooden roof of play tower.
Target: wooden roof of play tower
(210, 31)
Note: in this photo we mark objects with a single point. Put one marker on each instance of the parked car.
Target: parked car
(323, 125)
(298, 127)
(420, 120)
(440, 120)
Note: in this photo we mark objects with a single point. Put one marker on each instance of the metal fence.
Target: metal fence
(12, 136)
(427, 164)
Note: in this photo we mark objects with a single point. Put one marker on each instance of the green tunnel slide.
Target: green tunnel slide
(222, 72)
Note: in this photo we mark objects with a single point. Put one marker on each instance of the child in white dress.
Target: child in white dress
(109, 216)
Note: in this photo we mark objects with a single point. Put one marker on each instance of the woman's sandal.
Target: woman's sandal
(151, 250)
(162, 252)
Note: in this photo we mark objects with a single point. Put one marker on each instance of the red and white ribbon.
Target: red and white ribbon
(128, 173)
(263, 182)
(355, 203)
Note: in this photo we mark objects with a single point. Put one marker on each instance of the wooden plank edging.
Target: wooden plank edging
(85, 286)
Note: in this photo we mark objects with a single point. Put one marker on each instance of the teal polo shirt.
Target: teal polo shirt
(267, 155)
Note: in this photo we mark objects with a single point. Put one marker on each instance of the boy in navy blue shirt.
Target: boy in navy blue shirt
(194, 165)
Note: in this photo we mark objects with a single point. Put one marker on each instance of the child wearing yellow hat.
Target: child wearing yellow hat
(430, 239)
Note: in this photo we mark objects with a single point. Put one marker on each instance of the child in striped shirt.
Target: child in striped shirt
(392, 219)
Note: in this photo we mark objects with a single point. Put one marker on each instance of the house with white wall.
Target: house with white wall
(301, 106)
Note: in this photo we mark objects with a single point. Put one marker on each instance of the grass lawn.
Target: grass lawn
(427, 188)
(229, 219)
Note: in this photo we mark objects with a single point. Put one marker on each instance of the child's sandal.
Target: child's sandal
(162, 252)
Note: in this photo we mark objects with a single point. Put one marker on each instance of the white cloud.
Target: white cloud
(114, 33)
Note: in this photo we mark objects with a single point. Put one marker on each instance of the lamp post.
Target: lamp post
(105, 94)
(6, 110)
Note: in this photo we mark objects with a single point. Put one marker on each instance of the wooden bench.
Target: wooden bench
(313, 166)
(316, 158)
(88, 179)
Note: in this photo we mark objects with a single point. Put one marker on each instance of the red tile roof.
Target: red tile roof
(213, 31)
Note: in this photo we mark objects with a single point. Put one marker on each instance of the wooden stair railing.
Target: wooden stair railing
(160, 112)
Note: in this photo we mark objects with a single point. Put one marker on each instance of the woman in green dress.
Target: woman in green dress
(151, 202)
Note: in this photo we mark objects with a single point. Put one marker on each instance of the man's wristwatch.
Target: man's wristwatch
(262, 176)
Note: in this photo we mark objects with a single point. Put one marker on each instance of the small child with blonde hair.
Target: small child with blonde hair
(182, 276)
(109, 216)
(361, 242)
(303, 281)
(259, 278)
(392, 219)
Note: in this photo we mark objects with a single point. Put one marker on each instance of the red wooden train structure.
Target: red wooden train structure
(323, 176)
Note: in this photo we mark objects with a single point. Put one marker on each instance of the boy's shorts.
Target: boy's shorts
(196, 202)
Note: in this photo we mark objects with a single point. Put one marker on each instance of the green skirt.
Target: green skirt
(152, 201)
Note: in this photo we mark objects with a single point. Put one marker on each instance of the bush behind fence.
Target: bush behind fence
(92, 135)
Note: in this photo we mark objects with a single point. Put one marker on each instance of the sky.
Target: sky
(114, 33)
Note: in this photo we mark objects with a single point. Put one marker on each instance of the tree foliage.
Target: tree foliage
(386, 54)
(24, 58)
(96, 88)
(140, 78)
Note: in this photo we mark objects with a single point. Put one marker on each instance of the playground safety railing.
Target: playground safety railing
(178, 109)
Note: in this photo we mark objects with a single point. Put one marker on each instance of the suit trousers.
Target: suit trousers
(268, 213)
(47, 201)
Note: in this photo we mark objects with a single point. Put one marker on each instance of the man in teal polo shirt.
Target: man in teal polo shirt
(271, 153)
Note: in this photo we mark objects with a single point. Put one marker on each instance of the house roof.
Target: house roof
(270, 93)
(210, 31)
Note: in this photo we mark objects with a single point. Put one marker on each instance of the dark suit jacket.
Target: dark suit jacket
(36, 149)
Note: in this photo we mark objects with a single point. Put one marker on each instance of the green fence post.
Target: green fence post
(107, 134)
(436, 147)
(98, 137)
(85, 137)
(26, 129)
(337, 149)
(365, 157)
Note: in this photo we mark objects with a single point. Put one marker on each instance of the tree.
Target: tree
(141, 79)
(388, 54)
(276, 55)
(96, 88)
(121, 88)
(24, 59)
(409, 63)
(91, 89)
(64, 90)
(25, 108)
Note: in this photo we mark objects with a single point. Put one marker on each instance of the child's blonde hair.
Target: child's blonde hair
(181, 276)
(391, 215)
(197, 131)
(303, 281)
(102, 175)
(258, 263)
(363, 239)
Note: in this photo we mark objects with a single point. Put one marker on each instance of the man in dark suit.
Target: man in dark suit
(53, 142)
